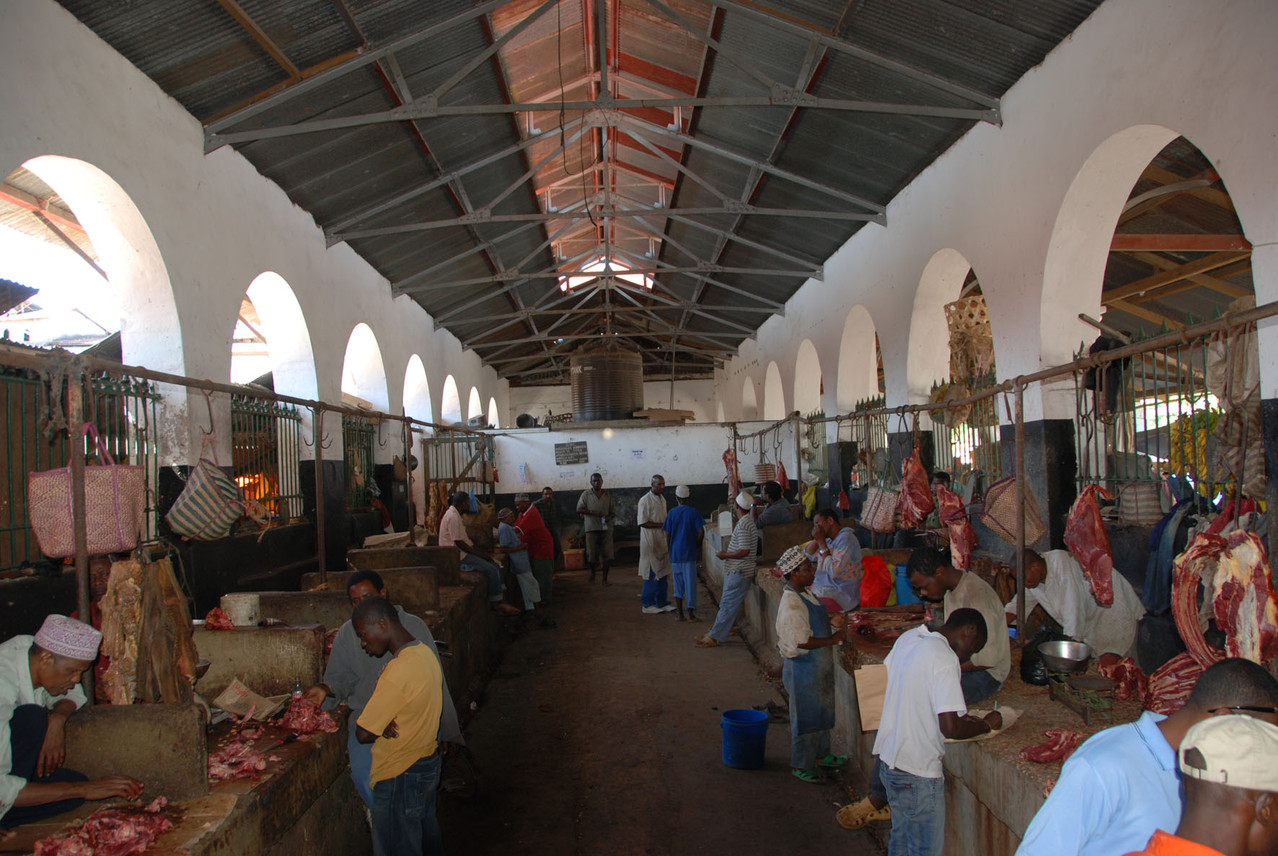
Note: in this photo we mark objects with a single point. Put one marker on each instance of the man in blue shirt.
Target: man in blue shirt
(1121, 784)
(686, 530)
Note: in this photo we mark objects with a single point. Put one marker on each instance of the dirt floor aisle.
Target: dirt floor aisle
(602, 737)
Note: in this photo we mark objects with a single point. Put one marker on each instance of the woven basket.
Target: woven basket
(1000, 512)
(878, 514)
(114, 505)
(1141, 503)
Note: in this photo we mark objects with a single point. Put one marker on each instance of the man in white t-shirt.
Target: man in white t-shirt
(922, 706)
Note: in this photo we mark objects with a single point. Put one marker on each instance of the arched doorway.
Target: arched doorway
(364, 387)
(749, 400)
(417, 405)
(773, 393)
(808, 385)
(860, 375)
(450, 412)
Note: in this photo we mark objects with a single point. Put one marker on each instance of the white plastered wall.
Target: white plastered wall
(216, 222)
(1207, 71)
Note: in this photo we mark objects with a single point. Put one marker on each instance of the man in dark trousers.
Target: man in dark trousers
(401, 720)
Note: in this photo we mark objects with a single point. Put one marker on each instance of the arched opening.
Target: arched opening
(860, 362)
(364, 387)
(494, 418)
(450, 412)
(773, 393)
(808, 384)
(951, 357)
(749, 401)
(1079, 251)
(474, 406)
(93, 212)
(1174, 254)
(271, 320)
(271, 347)
(928, 362)
(417, 405)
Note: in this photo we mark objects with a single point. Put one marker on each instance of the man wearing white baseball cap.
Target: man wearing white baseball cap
(738, 570)
(39, 689)
(1229, 770)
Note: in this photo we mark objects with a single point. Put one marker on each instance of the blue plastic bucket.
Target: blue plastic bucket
(904, 594)
(744, 735)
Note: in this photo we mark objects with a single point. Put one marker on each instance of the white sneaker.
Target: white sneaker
(669, 607)
(651, 610)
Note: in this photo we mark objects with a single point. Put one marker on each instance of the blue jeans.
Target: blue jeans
(735, 587)
(977, 686)
(654, 591)
(471, 562)
(918, 813)
(361, 755)
(807, 749)
(685, 583)
(404, 819)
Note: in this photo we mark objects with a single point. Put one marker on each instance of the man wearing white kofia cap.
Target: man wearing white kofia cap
(738, 571)
(1230, 779)
(39, 689)
(686, 530)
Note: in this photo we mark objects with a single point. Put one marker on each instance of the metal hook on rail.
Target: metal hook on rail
(208, 402)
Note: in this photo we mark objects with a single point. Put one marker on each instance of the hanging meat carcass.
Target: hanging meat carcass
(916, 501)
(1085, 536)
(1196, 563)
(954, 516)
(1243, 599)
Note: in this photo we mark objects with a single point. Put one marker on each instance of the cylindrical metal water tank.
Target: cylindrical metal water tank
(607, 383)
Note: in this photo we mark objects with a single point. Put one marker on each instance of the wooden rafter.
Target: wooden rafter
(1218, 283)
(1178, 243)
(1158, 280)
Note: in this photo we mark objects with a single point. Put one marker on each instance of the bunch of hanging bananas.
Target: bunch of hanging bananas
(1188, 452)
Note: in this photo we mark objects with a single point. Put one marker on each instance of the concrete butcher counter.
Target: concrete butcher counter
(991, 793)
(304, 801)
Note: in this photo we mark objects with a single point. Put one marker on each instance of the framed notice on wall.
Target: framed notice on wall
(567, 454)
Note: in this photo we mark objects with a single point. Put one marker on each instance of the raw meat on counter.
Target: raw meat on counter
(1085, 536)
(305, 717)
(235, 760)
(110, 832)
(1060, 744)
(217, 619)
(916, 501)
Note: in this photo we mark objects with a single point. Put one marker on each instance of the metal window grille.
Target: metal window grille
(967, 439)
(1150, 416)
(266, 442)
(25, 449)
(868, 428)
(125, 411)
(462, 461)
(358, 435)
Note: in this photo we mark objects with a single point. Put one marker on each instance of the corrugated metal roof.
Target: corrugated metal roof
(708, 176)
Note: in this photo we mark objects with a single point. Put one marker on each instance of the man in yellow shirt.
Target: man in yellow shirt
(401, 720)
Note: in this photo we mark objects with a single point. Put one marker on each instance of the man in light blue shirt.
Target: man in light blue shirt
(1122, 783)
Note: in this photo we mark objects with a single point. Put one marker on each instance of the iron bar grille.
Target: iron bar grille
(125, 411)
(358, 434)
(25, 449)
(972, 443)
(868, 428)
(266, 455)
(1149, 418)
(461, 458)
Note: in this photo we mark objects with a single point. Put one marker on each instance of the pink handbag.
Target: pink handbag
(114, 501)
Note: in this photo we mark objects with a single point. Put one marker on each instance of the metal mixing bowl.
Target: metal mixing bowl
(1066, 657)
